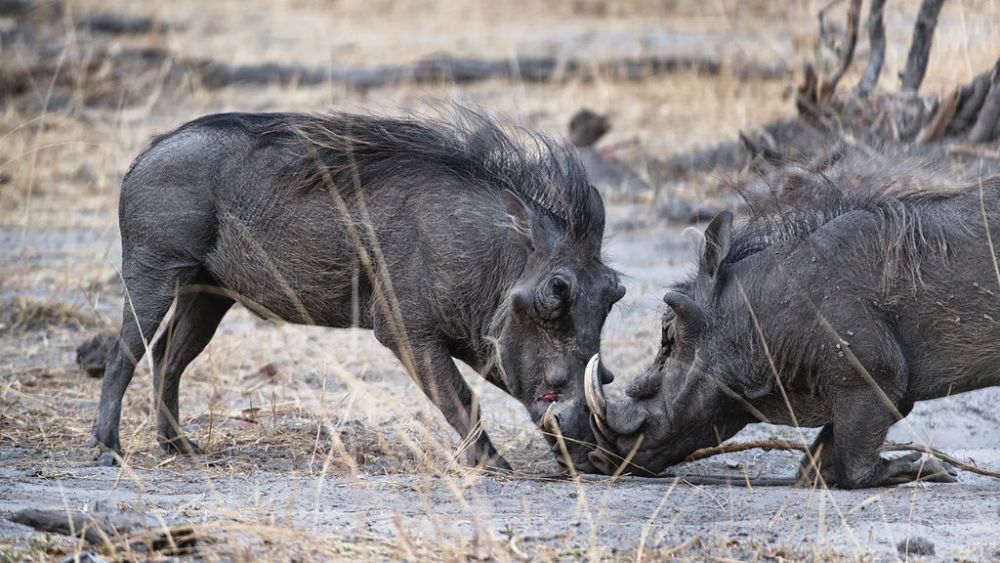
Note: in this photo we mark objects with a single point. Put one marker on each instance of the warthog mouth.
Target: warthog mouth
(602, 462)
(563, 448)
(593, 391)
(607, 457)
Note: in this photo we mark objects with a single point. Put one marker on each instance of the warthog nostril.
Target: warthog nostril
(601, 462)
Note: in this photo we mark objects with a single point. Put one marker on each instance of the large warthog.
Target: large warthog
(839, 305)
(450, 239)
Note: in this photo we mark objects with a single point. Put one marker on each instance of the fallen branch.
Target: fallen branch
(118, 24)
(465, 70)
(768, 445)
(974, 151)
(22, 8)
(107, 531)
(214, 74)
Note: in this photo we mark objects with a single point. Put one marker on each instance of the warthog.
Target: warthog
(450, 239)
(838, 304)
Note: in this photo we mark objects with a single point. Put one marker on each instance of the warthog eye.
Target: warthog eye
(559, 286)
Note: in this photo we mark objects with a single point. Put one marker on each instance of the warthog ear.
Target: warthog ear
(522, 222)
(760, 149)
(718, 236)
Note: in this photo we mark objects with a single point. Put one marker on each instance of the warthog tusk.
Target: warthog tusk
(604, 433)
(592, 388)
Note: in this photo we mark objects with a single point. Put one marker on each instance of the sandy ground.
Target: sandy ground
(318, 446)
(398, 499)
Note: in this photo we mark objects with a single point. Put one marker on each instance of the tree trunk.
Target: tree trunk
(920, 47)
(876, 58)
(985, 129)
(846, 55)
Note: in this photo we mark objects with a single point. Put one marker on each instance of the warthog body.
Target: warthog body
(838, 305)
(449, 240)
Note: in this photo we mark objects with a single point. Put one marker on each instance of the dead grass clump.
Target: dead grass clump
(22, 314)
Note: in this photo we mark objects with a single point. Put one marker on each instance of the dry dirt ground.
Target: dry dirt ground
(318, 445)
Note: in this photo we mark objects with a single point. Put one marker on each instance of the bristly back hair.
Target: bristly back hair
(789, 199)
(350, 150)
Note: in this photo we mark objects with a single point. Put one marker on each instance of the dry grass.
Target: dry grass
(21, 314)
(336, 406)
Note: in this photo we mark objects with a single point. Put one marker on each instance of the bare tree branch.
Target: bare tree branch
(876, 57)
(805, 97)
(920, 47)
(971, 98)
(985, 129)
(936, 126)
(846, 53)
(824, 37)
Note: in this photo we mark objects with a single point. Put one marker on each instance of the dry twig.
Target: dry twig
(768, 445)
(846, 53)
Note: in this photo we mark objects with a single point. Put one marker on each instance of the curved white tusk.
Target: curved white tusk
(603, 432)
(592, 388)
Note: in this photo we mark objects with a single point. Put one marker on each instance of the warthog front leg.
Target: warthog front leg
(444, 385)
(847, 451)
(150, 292)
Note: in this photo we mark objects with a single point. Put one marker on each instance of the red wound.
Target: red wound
(549, 397)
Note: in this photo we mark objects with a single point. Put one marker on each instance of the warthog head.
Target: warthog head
(551, 326)
(676, 406)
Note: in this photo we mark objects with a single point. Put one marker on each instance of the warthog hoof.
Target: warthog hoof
(498, 463)
(107, 459)
(914, 467)
(180, 446)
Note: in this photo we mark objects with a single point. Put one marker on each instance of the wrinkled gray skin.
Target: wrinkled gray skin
(448, 240)
(853, 310)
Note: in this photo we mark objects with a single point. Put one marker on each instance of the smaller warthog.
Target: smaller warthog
(839, 305)
(448, 239)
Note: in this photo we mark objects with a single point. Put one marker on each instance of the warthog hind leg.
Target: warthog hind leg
(191, 327)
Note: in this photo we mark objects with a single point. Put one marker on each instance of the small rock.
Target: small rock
(85, 173)
(915, 545)
(608, 174)
(680, 211)
(84, 557)
(587, 127)
(269, 370)
(92, 355)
